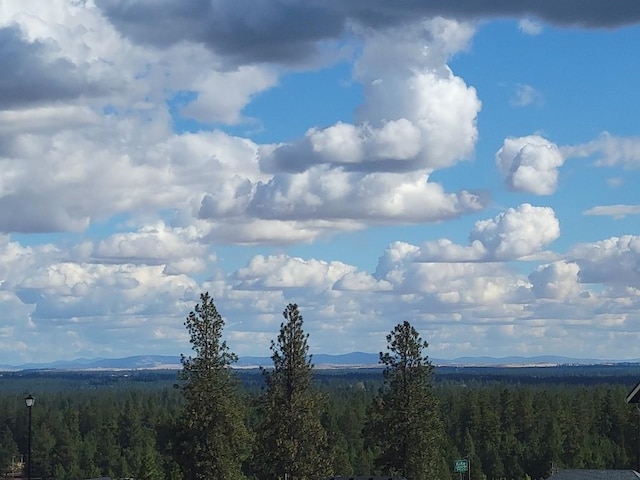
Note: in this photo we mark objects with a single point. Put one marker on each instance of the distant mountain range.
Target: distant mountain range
(321, 361)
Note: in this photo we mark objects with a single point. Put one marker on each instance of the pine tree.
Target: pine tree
(215, 440)
(405, 423)
(291, 441)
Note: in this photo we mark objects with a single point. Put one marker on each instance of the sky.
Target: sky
(471, 167)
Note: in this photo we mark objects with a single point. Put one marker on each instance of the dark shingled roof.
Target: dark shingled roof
(634, 395)
(595, 475)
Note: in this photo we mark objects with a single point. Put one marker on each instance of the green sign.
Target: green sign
(461, 466)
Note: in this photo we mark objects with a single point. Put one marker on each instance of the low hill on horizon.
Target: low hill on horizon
(320, 361)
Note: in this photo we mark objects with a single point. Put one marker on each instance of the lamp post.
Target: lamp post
(638, 438)
(29, 400)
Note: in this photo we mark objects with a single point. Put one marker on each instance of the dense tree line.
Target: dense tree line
(89, 434)
(507, 431)
(288, 421)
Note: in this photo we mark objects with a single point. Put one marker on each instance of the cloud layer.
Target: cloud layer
(291, 31)
(133, 177)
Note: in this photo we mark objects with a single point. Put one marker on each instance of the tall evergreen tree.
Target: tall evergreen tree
(291, 440)
(405, 423)
(215, 439)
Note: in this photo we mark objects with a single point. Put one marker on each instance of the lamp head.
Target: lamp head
(30, 400)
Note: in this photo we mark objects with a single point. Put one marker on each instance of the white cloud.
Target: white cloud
(341, 140)
(278, 232)
(615, 182)
(335, 194)
(444, 250)
(223, 95)
(614, 261)
(110, 70)
(517, 233)
(525, 95)
(361, 281)
(530, 27)
(397, 252)
(406, 77)
(91, 298)
(345, 143)
(46, 119)
(530, 164)
(17, 261)
(615, 211)
(557, 281)
(378, 169)
(417, 114)
(453, 287)
(172, 171)
(180, 250)
(280, 272)
(453, 301)
(609, 150)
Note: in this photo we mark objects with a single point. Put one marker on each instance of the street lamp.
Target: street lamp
(29, 400)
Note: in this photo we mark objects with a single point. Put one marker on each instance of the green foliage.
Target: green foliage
(214, 440)
(509, 422)
(405, 425)
(82, 434)
(290, 438)
(8, 450)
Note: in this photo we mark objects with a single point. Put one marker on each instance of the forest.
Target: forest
(509, 423)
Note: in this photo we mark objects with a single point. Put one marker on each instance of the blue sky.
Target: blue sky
(468, 168)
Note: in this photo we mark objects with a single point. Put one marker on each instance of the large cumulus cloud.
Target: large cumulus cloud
(615, 260)
(99, 172)
(416, 113)
(417, 116)
(118, 155)
(516, 233)
(321, 193)
(530, 164)
(558, 281)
